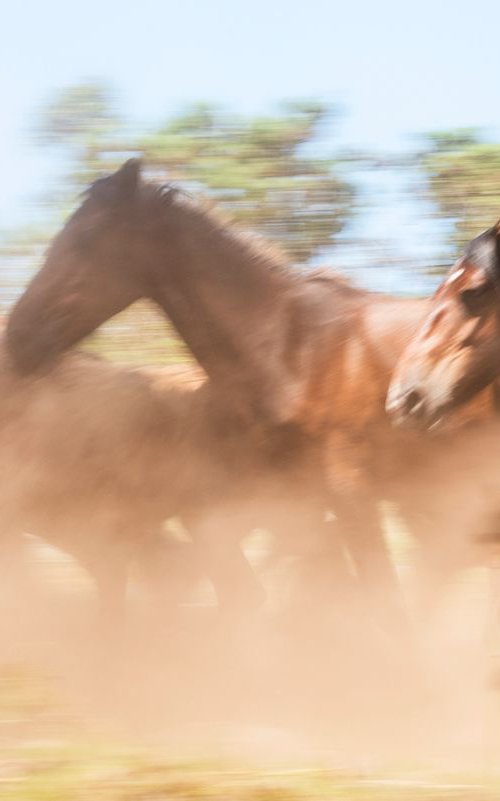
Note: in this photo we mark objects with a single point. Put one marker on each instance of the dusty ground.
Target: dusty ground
(279, 706)
(99, 774)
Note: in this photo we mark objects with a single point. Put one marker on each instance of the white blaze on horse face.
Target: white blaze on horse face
(453, 277)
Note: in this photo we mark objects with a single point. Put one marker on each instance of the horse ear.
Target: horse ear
(127, 178)
(484, 252)
(496, 231)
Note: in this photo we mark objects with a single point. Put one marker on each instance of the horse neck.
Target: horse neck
(362, 347)
(388, 325)
(230, 304)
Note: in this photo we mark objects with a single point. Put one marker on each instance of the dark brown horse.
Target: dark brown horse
(456, 351)
(232, 301)
(286, 355)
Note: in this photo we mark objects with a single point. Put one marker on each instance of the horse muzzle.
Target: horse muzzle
(407, 409)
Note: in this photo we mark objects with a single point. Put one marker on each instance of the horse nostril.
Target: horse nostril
(414, 403)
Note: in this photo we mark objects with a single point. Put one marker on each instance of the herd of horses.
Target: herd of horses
(284, 420)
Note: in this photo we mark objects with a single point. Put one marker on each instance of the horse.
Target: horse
(455, 352)
(59, 482)
(287, 353)
(94, 457)
(452, 356)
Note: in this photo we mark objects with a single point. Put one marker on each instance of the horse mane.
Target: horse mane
(254, 247)
(202, 211)
(484, 251)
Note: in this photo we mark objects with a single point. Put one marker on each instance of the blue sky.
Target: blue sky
(396, 67)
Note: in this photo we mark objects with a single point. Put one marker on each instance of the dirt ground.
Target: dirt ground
(292, 702)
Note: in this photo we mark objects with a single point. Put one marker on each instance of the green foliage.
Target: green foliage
(83, 123)
(139, 335)
(268, 172)
(463, 175)
(77, 114)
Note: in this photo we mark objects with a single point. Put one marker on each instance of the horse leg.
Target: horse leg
(217, 536)
(361, 526)
(434, 563)
(351, 485)
(324, 579)
(169, 570)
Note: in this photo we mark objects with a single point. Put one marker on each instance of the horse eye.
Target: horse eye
(478, 300)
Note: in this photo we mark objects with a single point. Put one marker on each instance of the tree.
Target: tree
(84, 125)
(463, 180)
(269, 172)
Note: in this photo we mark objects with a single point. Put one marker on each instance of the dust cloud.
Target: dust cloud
(309, 672)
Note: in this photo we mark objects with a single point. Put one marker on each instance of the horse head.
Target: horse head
(456, 351)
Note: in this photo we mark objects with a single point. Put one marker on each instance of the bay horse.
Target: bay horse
(285, 353)
(455, 352)
(451, 357)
